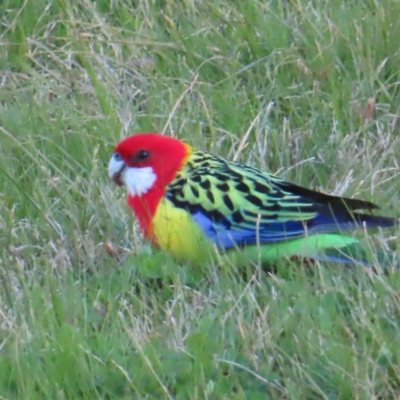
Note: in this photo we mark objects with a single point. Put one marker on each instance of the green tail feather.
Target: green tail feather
(357, 255)
(324, 247)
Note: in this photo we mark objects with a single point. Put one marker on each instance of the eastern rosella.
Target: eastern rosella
(189, 202)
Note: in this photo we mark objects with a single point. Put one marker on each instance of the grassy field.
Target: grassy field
(312, 91)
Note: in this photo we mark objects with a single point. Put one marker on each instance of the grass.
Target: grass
(315, 85)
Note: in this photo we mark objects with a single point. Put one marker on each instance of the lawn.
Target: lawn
(308, 90)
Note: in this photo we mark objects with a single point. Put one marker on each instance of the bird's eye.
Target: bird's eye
(117, 157)
(141, 155)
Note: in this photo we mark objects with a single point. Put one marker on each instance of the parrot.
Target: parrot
(194, 204)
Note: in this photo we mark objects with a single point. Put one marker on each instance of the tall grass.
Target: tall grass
(316, 86)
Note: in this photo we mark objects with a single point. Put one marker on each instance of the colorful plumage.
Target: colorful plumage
(189, 202)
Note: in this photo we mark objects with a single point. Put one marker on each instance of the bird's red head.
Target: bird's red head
(146, 163)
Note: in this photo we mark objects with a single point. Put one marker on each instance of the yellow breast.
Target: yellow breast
(177, 233)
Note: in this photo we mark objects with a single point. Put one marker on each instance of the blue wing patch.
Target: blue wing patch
(230, 235)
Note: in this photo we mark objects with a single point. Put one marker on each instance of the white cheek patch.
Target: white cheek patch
(138, 181)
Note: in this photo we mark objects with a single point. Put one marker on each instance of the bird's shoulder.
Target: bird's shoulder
(219, 186)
